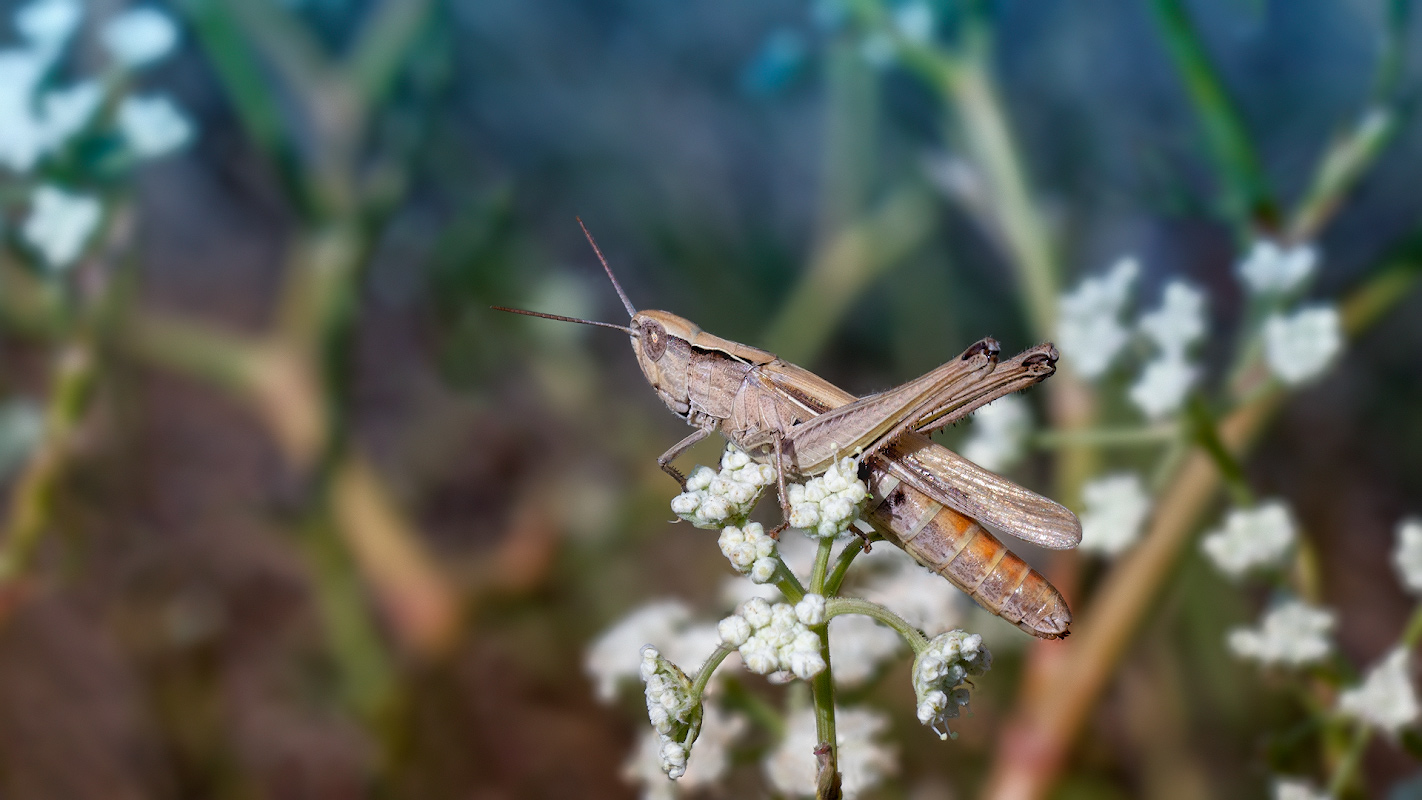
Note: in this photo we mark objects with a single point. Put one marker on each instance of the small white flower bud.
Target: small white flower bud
(811, 609)
(733, 630)
(763, 570)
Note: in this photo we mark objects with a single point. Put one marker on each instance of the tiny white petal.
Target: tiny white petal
(1163, 385)
(1116, 507)
(1292, 634)
(140, 36)
(1386, 699)
(1300, 346)
(1179, 321)
(1250, 538)
(60, 224)
(1271, 269)
(153, 126)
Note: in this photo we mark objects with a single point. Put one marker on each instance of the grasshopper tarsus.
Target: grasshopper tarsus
(779, 529)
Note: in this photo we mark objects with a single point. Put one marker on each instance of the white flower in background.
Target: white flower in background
(34, 124)
(776, 638)
(1408, 555)
(713, 499)
(1089, 330)
(66, 111)
(60, 223)
(939, 673)
(998, 433)
(1386, 698)
(704, 767)
(153, 126)
(48, 24)
(1116, 506)
(1179, 321)
(1294, 789)
(1292, 634)
(1251, 537)
(1163, 385)
(616, 653)
(140, 36)
(1301, 345)
(750, 550)
(825, 506)
(674, 713)
(859, 646)
(864, 760)
(924, 600)
(1271, 269)
(914, 21)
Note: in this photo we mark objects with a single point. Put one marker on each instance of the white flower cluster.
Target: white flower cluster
(713, 499)
(1408, 555)
(1295, 789)
(938, 674)
(1251, 537)
(1292, 634)
(1300, 346)
(750, 550)
(674, 713)
(667, 624)
(825, 506)
(1116, 506)
(39, 120)
(705, 764)
(1174, 327)
(1089, 329)
(777, 639)
(999, 433)
(1386, 699)
(864, 760)
(1271, 270)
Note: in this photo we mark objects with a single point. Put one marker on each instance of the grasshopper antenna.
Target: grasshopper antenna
(627, 304)
(568, 319)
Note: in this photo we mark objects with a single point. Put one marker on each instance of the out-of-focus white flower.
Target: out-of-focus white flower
(1163, 385)
(778, 640)
(704, 766)
(1386, 699)
(34, 124)
(864, 760)
(938, 675)
(1301, 345)
(1116, 506)
(48, 24)
(1292, 634)
(715, 499)
(616, 654)
(691, 645)
(66, 111)
(746, 547)
(998, 433)
(1251, 537)
(140, 36)
(1179, 321)
(924, 600)
(1295, 789)
(1271, 269)
(1089, 329)
(825, 506)
(674, 713)
(914, 21)
(859, 646)
(1408, 555)
(153, 126)
(60, 223)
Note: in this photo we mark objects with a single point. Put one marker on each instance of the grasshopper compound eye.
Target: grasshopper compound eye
(654, 340)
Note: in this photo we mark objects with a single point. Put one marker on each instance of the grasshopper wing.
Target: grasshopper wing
(971, 490)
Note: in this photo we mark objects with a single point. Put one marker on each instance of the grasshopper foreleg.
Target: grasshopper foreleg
(664, 461)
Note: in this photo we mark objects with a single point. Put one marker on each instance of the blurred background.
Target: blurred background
(292, 513)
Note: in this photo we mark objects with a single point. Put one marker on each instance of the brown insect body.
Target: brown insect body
(926, 499)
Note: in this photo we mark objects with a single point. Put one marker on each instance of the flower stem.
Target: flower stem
(1139, 436)
(854, 605)
(786, 582)
(1343, 774)
(822, 686)
(703, 675)
(841, 565)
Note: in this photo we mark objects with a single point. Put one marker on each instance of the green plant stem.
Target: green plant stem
(822, 686)
(1247, 194)
(1207, 436)
(786, 582)
(841, 564)
(703, 675)
(853, 605)
(1139, 436)
(1352, 757)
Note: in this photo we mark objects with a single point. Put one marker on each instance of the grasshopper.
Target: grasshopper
(926, 499)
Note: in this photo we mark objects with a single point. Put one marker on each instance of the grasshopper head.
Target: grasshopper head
(662, 352)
